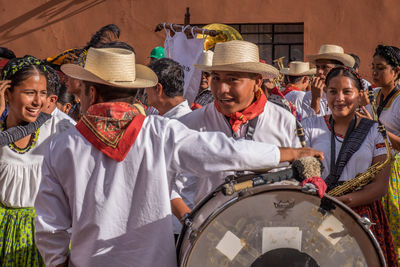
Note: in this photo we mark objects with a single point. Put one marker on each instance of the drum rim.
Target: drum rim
(183, 259)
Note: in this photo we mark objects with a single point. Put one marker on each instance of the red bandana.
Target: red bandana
(289, 89)
(195, 106)
(111, 127)
(238, 118)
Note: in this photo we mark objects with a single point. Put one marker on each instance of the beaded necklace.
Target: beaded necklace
(14, 147)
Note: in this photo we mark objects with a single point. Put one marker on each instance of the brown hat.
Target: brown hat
(114, 67)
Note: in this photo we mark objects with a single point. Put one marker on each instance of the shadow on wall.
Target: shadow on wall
(42, 16)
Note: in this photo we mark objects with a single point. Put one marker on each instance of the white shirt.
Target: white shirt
(296, 98)
(307, 111)
(185, 184)
(274, 126)
(318, 136)
(390, 116)
(120, 212)
(62, 116)
(20, 174)
(178, 111)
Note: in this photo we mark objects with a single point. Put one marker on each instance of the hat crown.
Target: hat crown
(207, 58)
(111, 64)
(299, 67)
(326, 49)
(236, 51)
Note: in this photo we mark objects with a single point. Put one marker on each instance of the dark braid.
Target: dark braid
(106, 34)
(391, 54)
(347, 72)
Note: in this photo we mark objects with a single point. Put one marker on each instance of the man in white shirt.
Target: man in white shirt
(106, 184)
(328, 57)
(167, 95)
(297, 79)
(241, 109)
(53, 87)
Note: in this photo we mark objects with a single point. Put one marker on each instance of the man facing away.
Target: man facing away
(105, 190)
(297, 79)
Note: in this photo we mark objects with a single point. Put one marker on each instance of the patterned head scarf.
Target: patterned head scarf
(17, 64)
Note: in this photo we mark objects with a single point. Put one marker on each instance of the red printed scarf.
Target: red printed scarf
(111, 127)
(238, 118)
(289, 89)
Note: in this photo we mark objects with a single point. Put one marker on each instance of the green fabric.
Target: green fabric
(17, 244)
(391, 203)
(157, 52)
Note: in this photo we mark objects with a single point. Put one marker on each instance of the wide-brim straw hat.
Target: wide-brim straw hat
(238, 56)
(114, 67)
(333, 52)
(299, 68)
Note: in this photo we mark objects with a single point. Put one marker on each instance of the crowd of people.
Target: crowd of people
(101, 159)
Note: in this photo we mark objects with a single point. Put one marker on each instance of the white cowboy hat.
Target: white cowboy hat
(334, 52)
(298, 68)
(114, 67)
(238, 56)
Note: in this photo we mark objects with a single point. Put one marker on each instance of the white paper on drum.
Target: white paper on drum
(229, 245)
(331, 228)
(281, 237)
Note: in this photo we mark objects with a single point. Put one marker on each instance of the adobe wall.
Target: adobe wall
(45, 28)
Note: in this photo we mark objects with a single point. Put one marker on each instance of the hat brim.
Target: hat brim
(346, 59)
(310, 72)
(265, 70)
(145, 77)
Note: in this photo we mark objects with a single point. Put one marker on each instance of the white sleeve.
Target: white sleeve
(175, 191)
(53, 217)
(207, 153)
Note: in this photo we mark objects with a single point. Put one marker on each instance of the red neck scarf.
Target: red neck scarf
(238, 118)
(289, 89)
(111, 127)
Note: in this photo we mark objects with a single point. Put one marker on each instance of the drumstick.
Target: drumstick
(300, 170)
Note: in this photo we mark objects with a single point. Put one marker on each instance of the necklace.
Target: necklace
(14, 147)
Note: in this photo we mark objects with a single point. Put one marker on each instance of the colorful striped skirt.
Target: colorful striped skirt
(381, 230)
(17, 243)
(391, 203)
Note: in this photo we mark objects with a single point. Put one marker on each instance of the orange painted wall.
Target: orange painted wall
(45, 28)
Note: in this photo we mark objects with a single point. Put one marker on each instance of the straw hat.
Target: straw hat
(114, 67)
(298, 68)
(238, 56)
(334, 52)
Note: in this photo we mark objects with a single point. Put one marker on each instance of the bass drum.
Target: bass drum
(276, 225)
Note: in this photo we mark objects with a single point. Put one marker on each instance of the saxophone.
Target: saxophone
(362, 179)
(280, 78)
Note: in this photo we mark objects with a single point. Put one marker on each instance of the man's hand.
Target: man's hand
(292, 154)
(179, 208)
(317, 90)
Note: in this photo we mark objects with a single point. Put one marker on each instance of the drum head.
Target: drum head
(281, 226)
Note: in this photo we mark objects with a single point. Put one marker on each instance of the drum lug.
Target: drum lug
(366, 222)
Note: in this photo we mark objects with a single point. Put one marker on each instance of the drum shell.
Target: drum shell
(218, 207)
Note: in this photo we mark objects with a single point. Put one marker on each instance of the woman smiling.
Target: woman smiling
(21, 160)
(351, 144)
